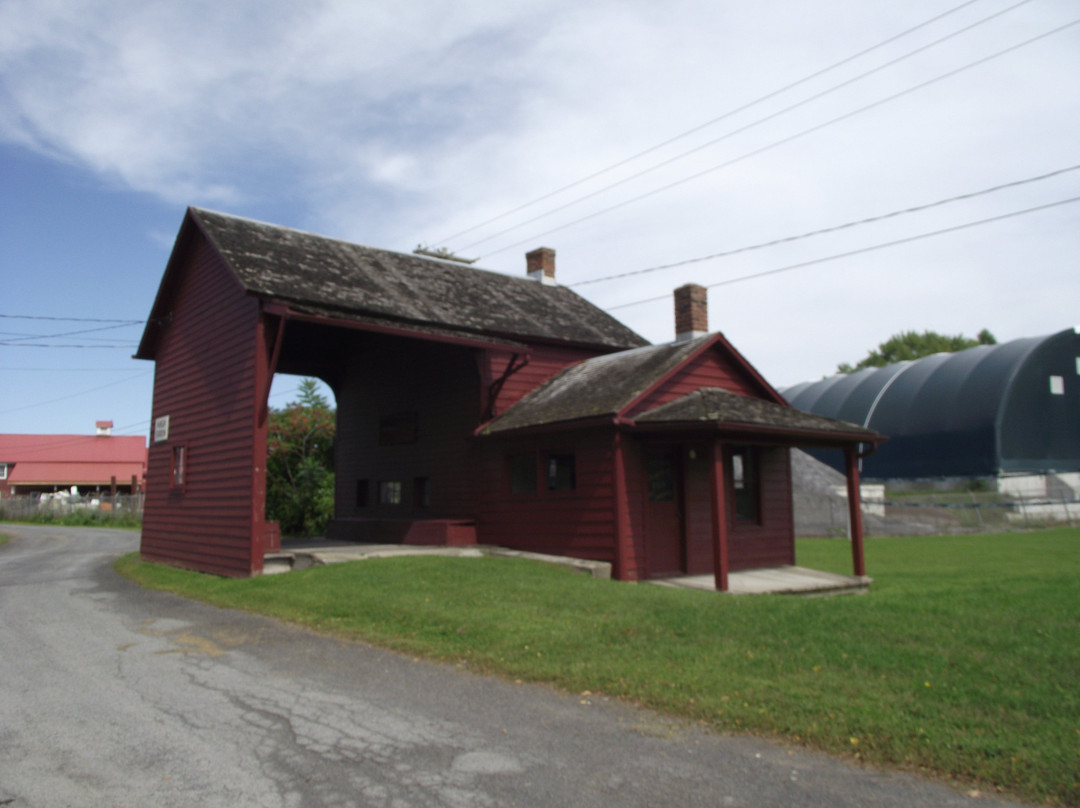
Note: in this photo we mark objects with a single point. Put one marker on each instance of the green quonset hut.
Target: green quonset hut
(989, 411)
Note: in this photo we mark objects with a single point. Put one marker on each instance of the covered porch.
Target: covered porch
(733, 430)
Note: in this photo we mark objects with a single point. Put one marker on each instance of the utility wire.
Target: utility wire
(126, 346)
(65, 333)
(25, 452)
(80, 393)
(832, 229)
(709, 123)
(745, 127)
(796, 136)
(69, 319)
(860, 251)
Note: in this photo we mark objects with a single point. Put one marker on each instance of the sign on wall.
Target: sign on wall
(161, 429)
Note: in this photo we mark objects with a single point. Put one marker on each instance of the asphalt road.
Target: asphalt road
(115, 696)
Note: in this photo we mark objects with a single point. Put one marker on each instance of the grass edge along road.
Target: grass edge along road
(961, 662)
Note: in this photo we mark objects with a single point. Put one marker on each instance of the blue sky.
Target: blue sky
(406, 123)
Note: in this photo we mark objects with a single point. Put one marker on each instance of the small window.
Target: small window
(179, 466)
(523, 474)
(744, 479)
(3, 471)
(390, 492)
(561, 474)
(397, 429)
(362, 493)
(421, 494)
(1057, 385)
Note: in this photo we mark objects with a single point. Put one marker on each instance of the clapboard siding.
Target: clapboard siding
(543, 362)
(713, 368)
(772, 542)
(579, 523)
(206, 382)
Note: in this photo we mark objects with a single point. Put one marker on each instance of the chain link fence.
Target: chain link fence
(927, 512)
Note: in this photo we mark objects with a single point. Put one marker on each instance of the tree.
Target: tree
(300, 463)
(911, 345)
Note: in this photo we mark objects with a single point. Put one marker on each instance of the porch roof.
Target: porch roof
(724, 409)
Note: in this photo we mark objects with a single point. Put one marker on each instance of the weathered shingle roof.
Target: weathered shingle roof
(713, 404)
(602, 385)
(606, 386)
(291, 266)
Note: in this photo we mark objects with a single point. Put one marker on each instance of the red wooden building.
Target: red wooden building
(473, 407)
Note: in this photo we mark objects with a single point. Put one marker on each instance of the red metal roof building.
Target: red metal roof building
(47, 463)
(472, 407)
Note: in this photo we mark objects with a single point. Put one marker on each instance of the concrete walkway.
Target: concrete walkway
(302, 553)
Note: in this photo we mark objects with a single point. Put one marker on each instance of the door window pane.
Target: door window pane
(660, 471)
(561, 474)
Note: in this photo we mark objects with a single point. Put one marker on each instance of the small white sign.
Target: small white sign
(161, 429)
(1057, 385)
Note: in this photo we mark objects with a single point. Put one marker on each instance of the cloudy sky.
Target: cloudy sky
(628, 135)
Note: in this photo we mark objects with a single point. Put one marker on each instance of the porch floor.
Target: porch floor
(777, 581)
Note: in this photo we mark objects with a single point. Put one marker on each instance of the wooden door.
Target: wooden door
(663, 513)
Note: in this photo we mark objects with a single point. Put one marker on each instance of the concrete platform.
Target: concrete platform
(299, 554)
(778, 581)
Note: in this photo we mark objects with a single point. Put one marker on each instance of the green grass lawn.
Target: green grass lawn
(963, 660)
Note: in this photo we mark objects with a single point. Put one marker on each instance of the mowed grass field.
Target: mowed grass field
(963, 661)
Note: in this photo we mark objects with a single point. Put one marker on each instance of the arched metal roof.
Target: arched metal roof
(981, 411)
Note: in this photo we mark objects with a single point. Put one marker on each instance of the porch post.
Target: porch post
(719, 515)
(854, 496)
(624, 549)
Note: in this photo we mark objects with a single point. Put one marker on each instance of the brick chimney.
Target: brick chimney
(540, 264)
(691, 312)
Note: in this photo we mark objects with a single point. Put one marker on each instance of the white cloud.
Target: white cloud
(393, 124)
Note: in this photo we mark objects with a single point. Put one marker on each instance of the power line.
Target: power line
(789, 138)
(127, 346)
(66, 333)
(746, 127)
(80, 393)
(859, 251)
(711, 122)
(69, 319)
(832, 229)
(65, 370)
(27, 450)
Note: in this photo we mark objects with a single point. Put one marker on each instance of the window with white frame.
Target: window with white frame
(3, 471)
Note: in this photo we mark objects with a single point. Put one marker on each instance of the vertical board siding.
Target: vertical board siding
(205, 381)
(713, 368)
(579, 523)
